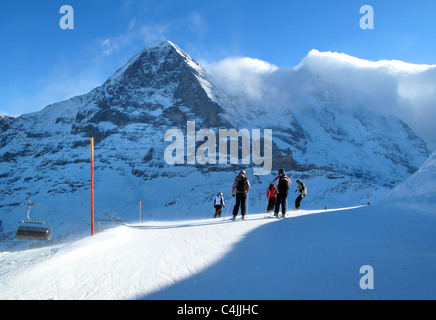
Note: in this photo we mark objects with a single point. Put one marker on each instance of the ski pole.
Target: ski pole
(231, 202)
(248, 197)
(267, 201)
(210, 213)
(217, 211)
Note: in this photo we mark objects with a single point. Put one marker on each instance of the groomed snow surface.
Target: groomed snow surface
(312, 254)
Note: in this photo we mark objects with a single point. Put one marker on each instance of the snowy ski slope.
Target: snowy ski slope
(312, 254)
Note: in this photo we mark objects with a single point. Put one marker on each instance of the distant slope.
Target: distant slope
(418, 191)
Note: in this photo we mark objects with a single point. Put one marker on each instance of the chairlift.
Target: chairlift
(33, 229)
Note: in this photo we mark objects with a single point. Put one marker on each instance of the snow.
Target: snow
(313, 254)
(121, 263)
(419, 190)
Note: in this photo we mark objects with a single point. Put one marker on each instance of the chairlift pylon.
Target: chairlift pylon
(33, 229)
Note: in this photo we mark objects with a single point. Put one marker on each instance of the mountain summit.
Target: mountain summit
(344, 157)
(161, 85)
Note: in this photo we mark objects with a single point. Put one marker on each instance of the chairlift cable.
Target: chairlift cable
(27, 202)
(52, 165)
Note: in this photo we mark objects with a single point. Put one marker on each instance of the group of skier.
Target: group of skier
(277, 194)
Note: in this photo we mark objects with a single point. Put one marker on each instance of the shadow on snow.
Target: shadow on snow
(319, 257)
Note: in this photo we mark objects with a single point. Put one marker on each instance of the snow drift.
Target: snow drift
(418, 192)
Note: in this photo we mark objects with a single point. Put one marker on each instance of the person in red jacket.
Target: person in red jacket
(271, 194)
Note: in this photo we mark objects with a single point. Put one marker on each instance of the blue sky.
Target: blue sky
(41, 64)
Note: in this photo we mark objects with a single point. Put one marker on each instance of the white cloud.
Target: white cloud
(407, 91)
(6, 114)
(242, 76)
(62, 82)
(197, 22)
(137, 34)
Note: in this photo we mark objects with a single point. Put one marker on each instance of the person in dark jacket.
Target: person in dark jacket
(283, 184)
(271, 194)
(240, 188)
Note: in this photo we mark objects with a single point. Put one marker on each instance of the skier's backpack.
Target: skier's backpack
(304, 189)
(271, 192)
(242, 185)
(283, 185)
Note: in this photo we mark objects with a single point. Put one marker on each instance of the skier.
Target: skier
(283, 184)
(219, 204)
(271, 194)
(302, 192)
(241, 186)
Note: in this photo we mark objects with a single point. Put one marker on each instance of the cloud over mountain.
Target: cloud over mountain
(387, 87)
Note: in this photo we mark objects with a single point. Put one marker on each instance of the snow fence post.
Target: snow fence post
(92, 186)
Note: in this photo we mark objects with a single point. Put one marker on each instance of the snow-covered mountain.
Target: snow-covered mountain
(346, 156)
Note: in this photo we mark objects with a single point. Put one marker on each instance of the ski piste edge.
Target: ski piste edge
(156, 224)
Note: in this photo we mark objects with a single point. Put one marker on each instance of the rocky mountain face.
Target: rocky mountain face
(344, 157)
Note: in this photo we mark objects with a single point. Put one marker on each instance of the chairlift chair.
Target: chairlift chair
(33, 229)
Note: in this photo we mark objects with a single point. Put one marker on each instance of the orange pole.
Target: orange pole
(139, 211)
(92, 186)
